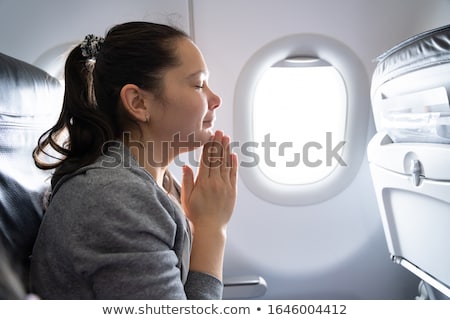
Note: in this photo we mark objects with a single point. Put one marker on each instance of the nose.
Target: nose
(214, 101)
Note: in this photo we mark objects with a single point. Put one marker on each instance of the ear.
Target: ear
(135, 102)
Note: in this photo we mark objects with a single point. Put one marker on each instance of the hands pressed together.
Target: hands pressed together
(208, 202)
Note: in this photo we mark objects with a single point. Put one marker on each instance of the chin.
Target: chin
(205, 136)
(205, 133)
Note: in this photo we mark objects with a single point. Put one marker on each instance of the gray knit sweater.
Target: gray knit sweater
(110, 232)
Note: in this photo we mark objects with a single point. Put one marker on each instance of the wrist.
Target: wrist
(208, 247)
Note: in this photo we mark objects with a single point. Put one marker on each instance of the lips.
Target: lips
(209, 122)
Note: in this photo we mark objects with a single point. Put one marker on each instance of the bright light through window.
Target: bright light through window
(299, 119)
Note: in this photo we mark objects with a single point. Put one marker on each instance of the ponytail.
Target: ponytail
(87, 127)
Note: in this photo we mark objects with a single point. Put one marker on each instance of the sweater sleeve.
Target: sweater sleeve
(198, 281)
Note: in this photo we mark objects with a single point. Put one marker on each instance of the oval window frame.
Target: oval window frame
(357, 86)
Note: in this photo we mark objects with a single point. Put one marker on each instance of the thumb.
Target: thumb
(187, 185)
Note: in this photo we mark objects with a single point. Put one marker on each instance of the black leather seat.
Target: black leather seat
(30, 100)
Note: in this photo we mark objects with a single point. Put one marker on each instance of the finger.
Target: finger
(187, 184)
(215, 154)
(203, 170)
(226, 161)
(233, 169)
(206, 158)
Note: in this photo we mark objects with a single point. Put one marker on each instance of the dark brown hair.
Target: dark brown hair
(131, 53)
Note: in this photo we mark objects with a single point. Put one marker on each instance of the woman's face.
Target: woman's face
(186, 113)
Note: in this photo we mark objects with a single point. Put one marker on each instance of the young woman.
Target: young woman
(117, 226)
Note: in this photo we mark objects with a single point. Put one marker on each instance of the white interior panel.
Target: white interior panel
(334, 249)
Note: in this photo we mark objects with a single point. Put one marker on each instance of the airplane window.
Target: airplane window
(301, 113)
(299, 110)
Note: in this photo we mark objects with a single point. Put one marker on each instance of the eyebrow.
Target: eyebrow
(197, 73)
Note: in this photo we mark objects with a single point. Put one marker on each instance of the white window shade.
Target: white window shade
(302, 110)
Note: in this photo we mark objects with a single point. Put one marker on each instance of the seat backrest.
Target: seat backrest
(30, 101)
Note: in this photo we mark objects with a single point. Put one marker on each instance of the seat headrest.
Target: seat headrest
(424, 50)
(410, 89)
(30, 102)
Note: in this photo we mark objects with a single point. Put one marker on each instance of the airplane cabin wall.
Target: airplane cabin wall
(330, 250)
(32, 28)
(334, 249)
